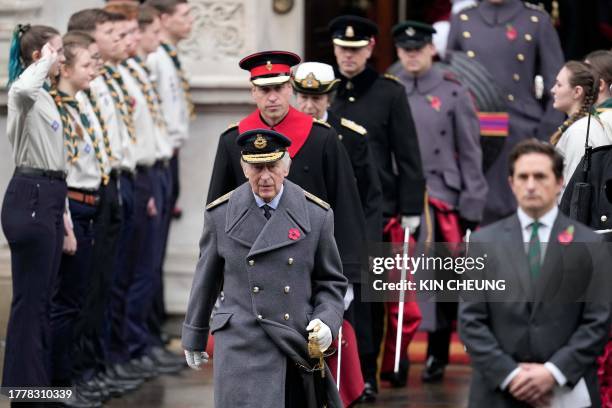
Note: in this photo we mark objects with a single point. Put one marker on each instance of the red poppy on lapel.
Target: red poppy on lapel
(567, 236)
(435, 102)
(511, 32)
(294, 234)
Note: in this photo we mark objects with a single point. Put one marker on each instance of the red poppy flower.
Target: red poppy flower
(511, 32)
(294, 234)
(435, 102)
(566, 236)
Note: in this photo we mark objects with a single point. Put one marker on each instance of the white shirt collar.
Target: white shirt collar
(325, 116)
(274, 203)
(546, 221)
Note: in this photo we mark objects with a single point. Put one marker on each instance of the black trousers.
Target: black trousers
(109, 219)
(70, 293)
(32, 221)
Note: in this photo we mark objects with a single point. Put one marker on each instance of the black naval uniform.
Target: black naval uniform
(378, 103)
(355, 140)
(322, 168)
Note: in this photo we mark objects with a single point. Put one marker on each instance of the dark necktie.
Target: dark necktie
(534, 254)
(267, 212)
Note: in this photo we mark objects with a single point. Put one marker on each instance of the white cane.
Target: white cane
(400, 313)
(339, 359)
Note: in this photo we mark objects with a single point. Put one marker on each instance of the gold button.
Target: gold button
(286, 316)
(516, 77)
(604, 218)
(471, 54)
(255, 289)
(510, 97)
(351, 99)
(260, 317)
(528, 37)
(339, 137)
(535, 19)
(287, 289)
(290, 261)
(466, 34)
(520, 57)
(464, 17)
(251, 262)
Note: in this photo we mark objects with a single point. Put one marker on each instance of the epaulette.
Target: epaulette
(538, 7)
(321, 122)
(317, 200)
(353, 126)
(451, 77)
(393, 78)
(219, 201)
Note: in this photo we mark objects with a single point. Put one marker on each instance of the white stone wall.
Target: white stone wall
(224, 32)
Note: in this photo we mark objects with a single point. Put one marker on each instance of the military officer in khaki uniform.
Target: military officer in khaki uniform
(270, 246)
(515, 41)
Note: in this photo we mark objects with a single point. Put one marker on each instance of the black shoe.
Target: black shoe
(161, 368)
(434, 370)
(370, 392)
(103, 388)
(123, 372)
(117, 388)
(76, 400)
(112, 379)
(401, 378)
(89, 391)
(165, 357)
(144, 371)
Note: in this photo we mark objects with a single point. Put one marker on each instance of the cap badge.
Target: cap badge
(269, 66)
(349, 32)
(260, 142)
(310, 81)
(410, 32)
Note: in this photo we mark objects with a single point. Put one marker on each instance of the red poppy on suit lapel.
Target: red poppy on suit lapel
(567, 236)
(511, 32)
(435, 102)
(294, 234)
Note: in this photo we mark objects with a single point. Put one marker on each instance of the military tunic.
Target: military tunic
(274, 283)
(354, 139)
(515, 42)
(378, 103)
(322, 167)
(449, 138)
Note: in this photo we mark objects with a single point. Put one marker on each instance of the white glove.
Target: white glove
(411, 221)
(348, 296)
(195, 359)
(324, 336)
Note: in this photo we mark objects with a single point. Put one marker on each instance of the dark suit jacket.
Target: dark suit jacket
(499, 335)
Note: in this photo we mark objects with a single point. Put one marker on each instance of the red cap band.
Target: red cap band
(269, 69)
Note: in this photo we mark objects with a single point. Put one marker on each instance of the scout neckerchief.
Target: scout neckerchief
(147, 91)
(171, 51)
(70, 135)
(68, 100)
(158, 100)
(605, 106)
(94, 106)
(123, 106)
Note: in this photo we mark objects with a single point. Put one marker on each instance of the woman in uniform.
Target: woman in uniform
(34, 203)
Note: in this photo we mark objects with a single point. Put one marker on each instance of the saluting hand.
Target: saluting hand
(49, 52)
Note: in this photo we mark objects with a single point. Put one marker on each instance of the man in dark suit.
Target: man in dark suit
(531, 351)
(270, 246)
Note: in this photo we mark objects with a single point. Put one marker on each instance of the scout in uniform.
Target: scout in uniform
(378, 103)
(515, 41)
(167, 71)
(270, 245)
(449, 139)
(34, 204)
(320, 163)
(134, 288)
(84, 179)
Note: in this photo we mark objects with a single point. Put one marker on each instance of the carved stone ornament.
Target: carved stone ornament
(282, 6)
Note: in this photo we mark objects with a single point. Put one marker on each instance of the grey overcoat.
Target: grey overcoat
(276, 275)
